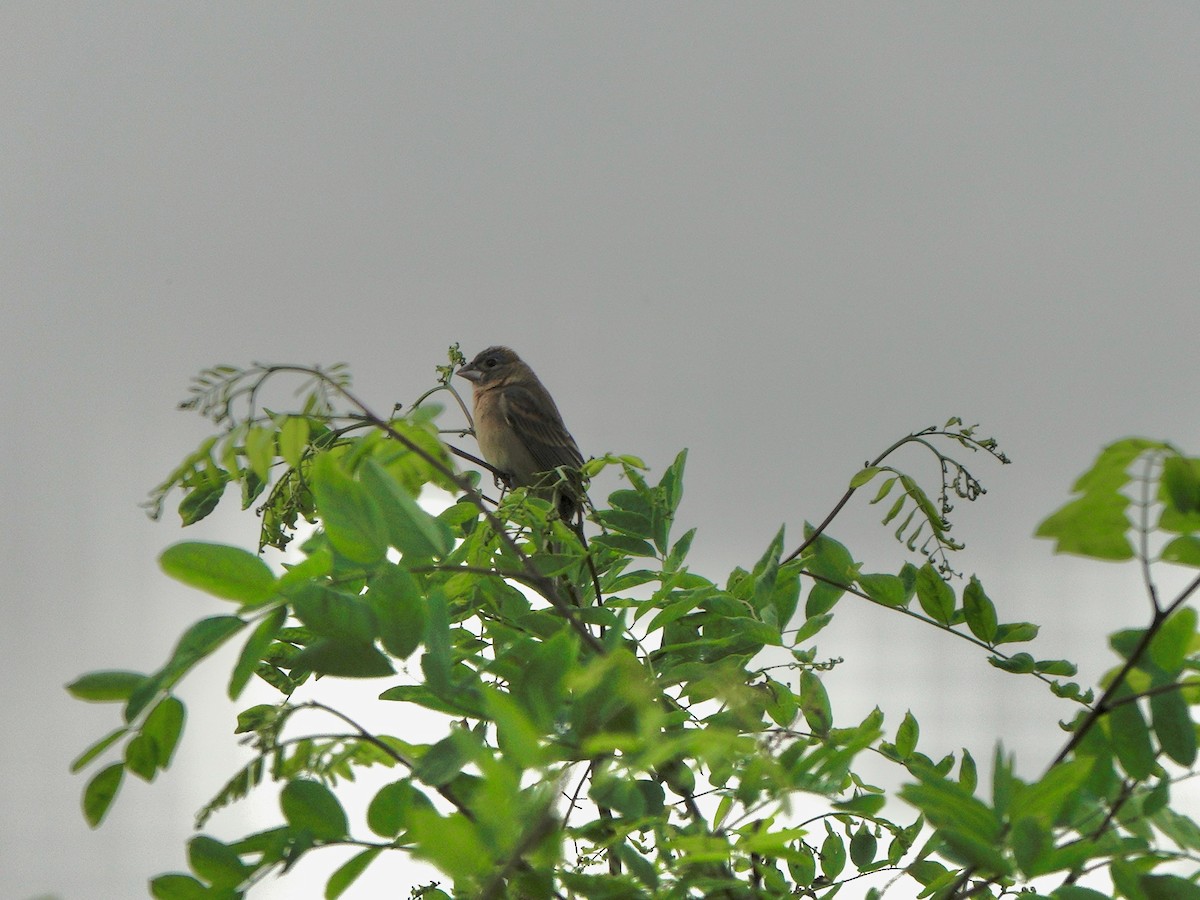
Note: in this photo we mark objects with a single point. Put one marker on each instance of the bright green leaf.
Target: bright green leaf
(227, 572)
(352, 518)
(935, 596)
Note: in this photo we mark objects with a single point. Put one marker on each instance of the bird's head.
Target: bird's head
(493, 365)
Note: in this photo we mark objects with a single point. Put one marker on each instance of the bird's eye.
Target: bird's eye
(490, 362)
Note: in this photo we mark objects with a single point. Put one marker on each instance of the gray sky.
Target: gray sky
(780, 235)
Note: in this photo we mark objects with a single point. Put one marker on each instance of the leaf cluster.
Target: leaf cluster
(614, 723)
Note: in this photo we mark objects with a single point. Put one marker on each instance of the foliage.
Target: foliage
(616, 724)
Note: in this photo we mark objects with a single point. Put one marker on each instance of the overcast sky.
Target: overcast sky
(779, 235)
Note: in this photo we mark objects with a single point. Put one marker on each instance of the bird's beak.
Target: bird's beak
(470, 373)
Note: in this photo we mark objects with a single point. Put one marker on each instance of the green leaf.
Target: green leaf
(814, 702)
(141, 757)
(353, 521)
(1018, 663)
(332, 614)
(862, 847)
(436, 661)
(395, 597)
(293, 438)
(1183, 550)
(105, 687)
(1173, 726)
(254, 649)
(1180, 481)
(216, 862)
(1075, 892)
(227, 572)
(1131, 738)
(1171, 645)
(344, 658)
(197, 642)
(1015, 633)
(345, 876)
(935, 596)
(387, 813)
(907, 736)
(833, 854)
(980, 611)
(887, 590)
(100, 793)
(1169, 887)
(1095, 525)
(177, 886)
(311, 806)
(260, 450)
(441, 763)
(516, 736)
(163, 726)
(1044, 799)
(200, 501)
(863, 476)
(97, 748)
(452, 843)
(414, 532)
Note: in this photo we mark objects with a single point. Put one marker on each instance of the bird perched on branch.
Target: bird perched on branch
(520, 431)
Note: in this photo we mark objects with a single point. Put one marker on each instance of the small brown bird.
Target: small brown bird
(519, 429)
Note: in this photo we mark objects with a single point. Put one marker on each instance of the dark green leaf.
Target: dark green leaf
(200, 501)
(1015, 633)
(311, 806)
(395, 597)
(100, 792)
(215, 862)
(105, 687)
(1075, 892)
(177, 886)
(344, 658)
(97, 748)
(1169, 887)
(1131, 739)
(1018, 663)
(1173, 726)
(141, 757)
(227, 572)
(862, 847)
(814, 702)
(163, 726)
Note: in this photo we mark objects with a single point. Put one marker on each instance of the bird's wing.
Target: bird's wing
(536, 422)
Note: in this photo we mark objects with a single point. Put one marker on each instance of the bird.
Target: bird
(520, 430)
